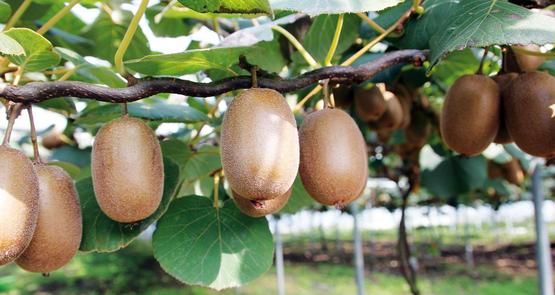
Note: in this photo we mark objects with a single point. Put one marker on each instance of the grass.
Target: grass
(134, 271)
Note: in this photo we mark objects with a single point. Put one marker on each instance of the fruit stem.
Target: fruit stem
(13, 112)
(118, 57)
(52, 21)
(124, 109)
(480, 70)
(33, 135)
(309, 59)
(371, 22)
(216, 190)
(379, 38)
(301, 103)
(254, 77)
(17, 14)
(335, 41)
(328, 101)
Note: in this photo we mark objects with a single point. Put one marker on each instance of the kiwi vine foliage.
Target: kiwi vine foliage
(221, 247)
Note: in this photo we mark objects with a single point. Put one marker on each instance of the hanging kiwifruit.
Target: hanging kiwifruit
(405, 99)
(334, 161)
(53, 140)
(503, 81)
(19, 202)
(342, 96)
(127, 170)
(470, 116)
(416, 134)
(260, 145)
(59, 227)
(512, 172)
(392, 118)
(259, 208)
(369, 103)
(530, 105)
(528, 62)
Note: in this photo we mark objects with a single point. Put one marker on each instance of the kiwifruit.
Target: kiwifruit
(405, 98)
(260, 145)
(53, 140)
(416, 135)
(127, 170)
(59, 225)
(495, 170)
(529, 62)
(261, 208)
(530, 105)
(369, 103)
(334, 160)
(512, 172)
(503, 81)
(392, 118)
(19, 203)
(470, 116)
(342, 96)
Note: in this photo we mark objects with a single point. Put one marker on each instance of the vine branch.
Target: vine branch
(40, 91)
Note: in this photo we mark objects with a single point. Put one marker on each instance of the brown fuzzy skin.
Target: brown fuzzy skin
(405, 98)
(530, 105)
(503, 81)
(513, 173)
(369, 103)
(392, 118)
(52, 140)
(260, 145)
(59, 227)
(263, 207)
(470, 116)
(19, 203)
(529, 62)
(334, 160)
(127, 170)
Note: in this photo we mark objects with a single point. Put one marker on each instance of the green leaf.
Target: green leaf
(61, 105)
(455, 65)
(101, 234)
(177, 151)
(320, 35)
(332, 6)
(5, 11)
(72, 154)
(455, 175)
(189, 62)
(166, 26)
(89, 72)
(163, 112)
(107, 32)
(299, 198)
(38, 53)
(479, 23)
(9, 46)
(71, 169)
(214, 247)
(229, 6)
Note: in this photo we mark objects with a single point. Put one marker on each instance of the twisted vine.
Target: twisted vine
(35, 92)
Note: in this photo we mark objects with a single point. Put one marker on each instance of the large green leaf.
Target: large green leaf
(214, 247)
(107, 32)
(320, 35)
(163, 112)
(100, 233)
(478, 23)
(38, 50)
(299, 198)
(190, 61)
(455, 175)
(229, 6)
(332, 6)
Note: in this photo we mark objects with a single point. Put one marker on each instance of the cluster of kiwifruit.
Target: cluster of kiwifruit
(505, 108)
(40, 216)
(262, 152)
(40, 219)
(389, 108)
